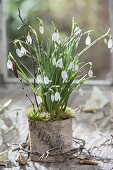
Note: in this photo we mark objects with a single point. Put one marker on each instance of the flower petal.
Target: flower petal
(46, 80)
(39, 79)
(64, 75)
(41, 29)
(71, 66)
(9, 64)
(18, 52)
(23, 50)
(57, 96)
(110, 43)
(88, 40)
(90, 73)
(59, 63)
(29, 39)
(52, 98)
(55, 37)
(54, 61)
(39, 100)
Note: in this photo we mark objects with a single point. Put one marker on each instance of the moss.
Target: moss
(38, 116)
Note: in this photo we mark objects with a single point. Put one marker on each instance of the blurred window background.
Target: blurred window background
(90, 14)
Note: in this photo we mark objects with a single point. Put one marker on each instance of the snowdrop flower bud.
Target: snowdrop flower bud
(46, 80)
(55, 37)
(23, 50)
(41, 26)
(39, 79)
(71, 66)
(77, 30)
(88, 40)
(81, 92)
(29, 39)
(57, 96)
(41, 29)
(90, 63)
(59, 63)
(52, 98)
(110, 43)
(105, 41)
(9, 64)
(18, 52)
(90, 73)
(54, 61)
(64, 75)
(39, 100)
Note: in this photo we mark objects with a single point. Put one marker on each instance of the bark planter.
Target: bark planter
(56, 135)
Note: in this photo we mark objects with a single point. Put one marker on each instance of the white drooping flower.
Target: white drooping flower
(23, 50)
(9, 64)
(90, 73)
(71, 66)
(29, 39)
(88, 40)
(57, 96)
(105, 41)
(110, 43)
(77, 30)
(64, 75)
(81, 92)
(39, 79)
(41, 29)
(46, 80)
(54, 61)
(55, 37)
(18, 52)
(59, 63)
(52, 98)
(39, 100)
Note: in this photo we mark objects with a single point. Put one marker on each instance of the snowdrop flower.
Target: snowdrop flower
(39, 79)
(71, 66)
(77, 30)
(29, 39)
(39, 100)
(18, 52)
(9, 64)
(64, 75)
(110, 43)
(88, 40)
(57, 96)
(81, 92)
(90, 73)
(41, 29)
(46, 80)
(52, 98)
(23, 50)
(59, 63)
(105, 41)
(54, 61)
(55, 37)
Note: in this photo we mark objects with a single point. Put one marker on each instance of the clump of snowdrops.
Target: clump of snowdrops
(55, 68)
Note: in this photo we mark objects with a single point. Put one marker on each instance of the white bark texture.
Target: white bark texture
(50, 135)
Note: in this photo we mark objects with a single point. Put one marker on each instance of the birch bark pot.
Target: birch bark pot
(44, 136)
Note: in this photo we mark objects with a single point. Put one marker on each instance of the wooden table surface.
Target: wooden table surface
(94, 128)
